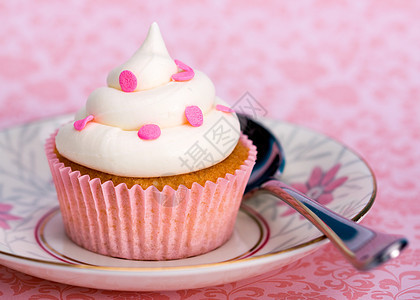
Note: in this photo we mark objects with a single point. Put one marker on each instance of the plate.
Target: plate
(268, 234)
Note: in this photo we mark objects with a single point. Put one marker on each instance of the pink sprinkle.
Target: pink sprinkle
(224, 108)
(149, 132)
(186, 74)
(128, 81)
(81, 124)
(194, 115)
(182, 66)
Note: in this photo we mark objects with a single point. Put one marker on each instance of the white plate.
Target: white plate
(268, 234)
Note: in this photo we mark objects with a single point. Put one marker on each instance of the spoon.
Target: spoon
(363, 247)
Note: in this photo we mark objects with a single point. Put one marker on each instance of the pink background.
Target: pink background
(349, 69)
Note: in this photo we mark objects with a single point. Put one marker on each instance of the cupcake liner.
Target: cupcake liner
(148, 224)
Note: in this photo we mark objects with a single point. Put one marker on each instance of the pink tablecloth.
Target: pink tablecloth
(348, 69)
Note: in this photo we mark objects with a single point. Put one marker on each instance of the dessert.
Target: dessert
(154, 165)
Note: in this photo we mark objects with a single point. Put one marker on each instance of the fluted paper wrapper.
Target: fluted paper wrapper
(149, 224)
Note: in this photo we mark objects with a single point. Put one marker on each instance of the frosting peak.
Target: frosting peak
(151, 63)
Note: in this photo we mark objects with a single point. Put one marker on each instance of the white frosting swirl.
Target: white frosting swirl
(163, 105)
(110, 143)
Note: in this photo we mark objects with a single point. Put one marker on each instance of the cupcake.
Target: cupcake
(154, 166)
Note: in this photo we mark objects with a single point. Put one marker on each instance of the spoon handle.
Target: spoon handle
(364, 247)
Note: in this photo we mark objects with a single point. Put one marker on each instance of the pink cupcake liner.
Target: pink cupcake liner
(148, 224)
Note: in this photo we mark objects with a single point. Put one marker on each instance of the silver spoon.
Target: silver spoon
(363, 247)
